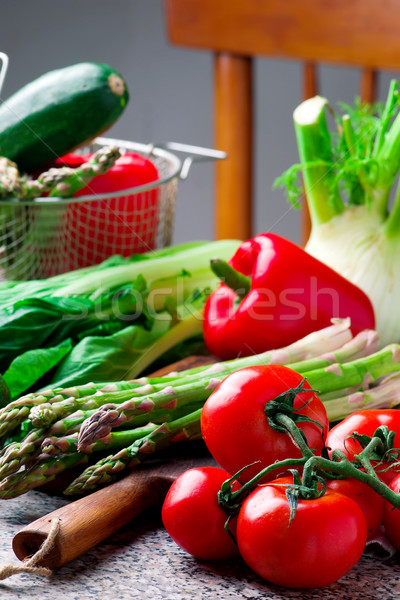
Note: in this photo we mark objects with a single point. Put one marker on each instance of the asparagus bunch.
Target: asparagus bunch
(139, 417)
(45, 407)
(198, 387)
(59, 182)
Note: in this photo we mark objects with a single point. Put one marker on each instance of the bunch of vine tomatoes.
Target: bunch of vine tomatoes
(327, 534)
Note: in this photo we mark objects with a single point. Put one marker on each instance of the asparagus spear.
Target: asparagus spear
(44, 414)
(12, 459)
(44, 467)
(361, 372)
(363, 344)
(62, 437)
(10, 183)
(68, 181)
(39, 473)
(384, 395)
(106, 470)
(60, 182)
(116, 439)
(14, 413)
(119, 439)
(18, 454)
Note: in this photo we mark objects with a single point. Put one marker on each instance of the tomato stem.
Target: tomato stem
(316, 467)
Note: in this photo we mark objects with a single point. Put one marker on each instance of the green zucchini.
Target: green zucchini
(58, 112)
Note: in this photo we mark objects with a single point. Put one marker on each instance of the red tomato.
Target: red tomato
(236, 429)
(391, 519)
(371, 503)
(366, 422)
(324, 541)
(193, 518)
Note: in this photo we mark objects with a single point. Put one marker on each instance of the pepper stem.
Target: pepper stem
(239, 283)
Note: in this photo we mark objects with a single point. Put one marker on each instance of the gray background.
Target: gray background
(171, 93)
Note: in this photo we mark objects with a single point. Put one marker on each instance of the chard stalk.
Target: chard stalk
(170, 266)
(189, 324)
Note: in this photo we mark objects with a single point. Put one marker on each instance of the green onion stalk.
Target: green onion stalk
(350, 166)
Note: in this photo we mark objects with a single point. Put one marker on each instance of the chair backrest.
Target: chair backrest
(362, 33)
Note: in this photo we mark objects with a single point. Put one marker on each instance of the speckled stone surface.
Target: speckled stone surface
(143, 562)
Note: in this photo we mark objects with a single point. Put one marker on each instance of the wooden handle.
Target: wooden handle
(90, 520)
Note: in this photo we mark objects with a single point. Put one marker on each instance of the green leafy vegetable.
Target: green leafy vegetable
(109, 321)
(31, 366)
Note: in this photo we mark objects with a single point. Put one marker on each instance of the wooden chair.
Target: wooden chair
(363, 33)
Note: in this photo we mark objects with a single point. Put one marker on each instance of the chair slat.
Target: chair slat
(310, 89)
(356, 32)
(234, 135)
(368, 91)
(310, 80)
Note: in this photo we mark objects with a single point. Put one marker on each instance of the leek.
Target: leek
(349, 172)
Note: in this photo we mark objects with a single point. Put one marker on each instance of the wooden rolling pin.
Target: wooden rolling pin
(88, 521)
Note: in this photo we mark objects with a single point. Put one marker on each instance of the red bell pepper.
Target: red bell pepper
(274, 293)
(126, 224)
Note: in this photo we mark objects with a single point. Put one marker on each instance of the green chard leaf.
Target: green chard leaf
(106, 358)
(29, 367)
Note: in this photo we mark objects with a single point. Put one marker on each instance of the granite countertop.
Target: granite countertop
(142, 561)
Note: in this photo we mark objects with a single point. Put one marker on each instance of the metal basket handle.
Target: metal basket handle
(4, 67)
(196, 154)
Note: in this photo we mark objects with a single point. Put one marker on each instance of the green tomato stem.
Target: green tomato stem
(346, 469)
(295, 433)
(325, 466)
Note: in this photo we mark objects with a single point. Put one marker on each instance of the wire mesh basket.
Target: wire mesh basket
(48, 236)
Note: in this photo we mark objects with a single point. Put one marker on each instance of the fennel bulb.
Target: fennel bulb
(355, 244)
(348, 176)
